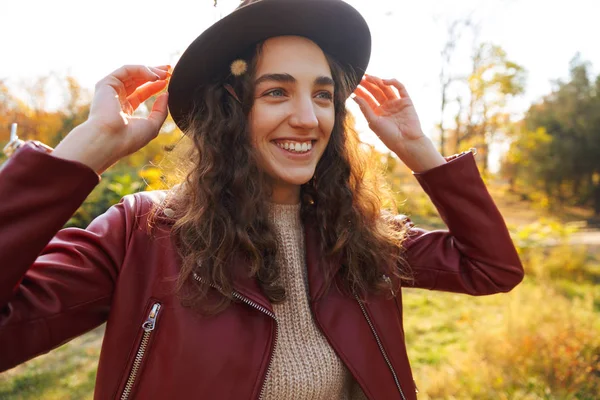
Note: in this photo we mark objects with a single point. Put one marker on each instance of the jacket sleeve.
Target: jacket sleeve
(54, 285)
(476, 254)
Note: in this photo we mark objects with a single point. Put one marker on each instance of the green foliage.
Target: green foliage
(556, 147)
(543, 232)
(115, 183)
(546, 251)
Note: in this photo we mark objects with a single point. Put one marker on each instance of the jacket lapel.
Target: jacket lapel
(319, 270)
(248, 286)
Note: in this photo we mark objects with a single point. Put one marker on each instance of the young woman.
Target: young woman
(271, 272)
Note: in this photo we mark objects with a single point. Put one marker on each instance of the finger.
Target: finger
(144, 92)
(132, 85)
(399, 86)
(159, 111)
(363, 94)
(365, 108)
(374, 89)
(387, 90)
(163, 71)
(128, 72)
(123, 76)
(166, 67)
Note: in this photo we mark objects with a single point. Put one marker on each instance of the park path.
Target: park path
(587, 237)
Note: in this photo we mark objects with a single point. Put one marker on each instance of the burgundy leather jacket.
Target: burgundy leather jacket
(57, 284)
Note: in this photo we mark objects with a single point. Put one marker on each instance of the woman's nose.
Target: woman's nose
(304, 116)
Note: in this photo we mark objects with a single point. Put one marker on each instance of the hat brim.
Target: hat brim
(334, 25)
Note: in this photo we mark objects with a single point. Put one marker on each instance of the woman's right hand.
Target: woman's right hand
(111, 132)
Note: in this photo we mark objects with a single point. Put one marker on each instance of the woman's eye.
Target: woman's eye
(276, 93)
(325, 95)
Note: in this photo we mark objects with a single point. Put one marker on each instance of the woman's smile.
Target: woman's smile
(295, 149)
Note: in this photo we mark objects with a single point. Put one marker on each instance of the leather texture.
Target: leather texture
(58, 284)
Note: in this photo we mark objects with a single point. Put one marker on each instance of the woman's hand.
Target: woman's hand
(111, 132)
(393, 118)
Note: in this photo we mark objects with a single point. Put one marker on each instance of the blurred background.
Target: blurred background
(516, 79)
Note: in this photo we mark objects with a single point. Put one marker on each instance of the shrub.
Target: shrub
(546, 252)
(541, 345)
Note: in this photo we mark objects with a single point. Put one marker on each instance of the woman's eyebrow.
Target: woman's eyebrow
(287, 78)
(284, 78)
(324, 81)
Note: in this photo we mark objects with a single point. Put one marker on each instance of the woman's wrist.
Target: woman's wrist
(420, 155)
(86, 146)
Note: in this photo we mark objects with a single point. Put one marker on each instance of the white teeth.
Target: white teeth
(295, 146)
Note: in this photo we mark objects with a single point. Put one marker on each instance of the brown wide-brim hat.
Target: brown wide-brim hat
(333, 25)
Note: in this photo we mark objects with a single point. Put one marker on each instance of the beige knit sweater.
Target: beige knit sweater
(304, 366)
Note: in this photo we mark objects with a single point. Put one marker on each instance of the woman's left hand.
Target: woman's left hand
(393, 118)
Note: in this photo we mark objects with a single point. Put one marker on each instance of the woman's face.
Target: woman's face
(293, 112)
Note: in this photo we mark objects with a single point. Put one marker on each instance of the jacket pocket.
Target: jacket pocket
(140, 354)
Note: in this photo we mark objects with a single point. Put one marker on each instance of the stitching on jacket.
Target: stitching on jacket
(129, 225)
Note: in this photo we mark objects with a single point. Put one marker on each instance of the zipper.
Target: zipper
(148, 327)
(389, 282)
(383, 353)
(264, 311)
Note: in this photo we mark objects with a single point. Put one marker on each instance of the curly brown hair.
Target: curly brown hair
(222, 207)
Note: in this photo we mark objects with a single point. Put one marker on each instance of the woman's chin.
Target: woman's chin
(298, 179)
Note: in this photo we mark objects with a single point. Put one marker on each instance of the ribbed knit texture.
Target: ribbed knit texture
(304, 366)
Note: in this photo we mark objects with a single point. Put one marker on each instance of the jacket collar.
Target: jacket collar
(248, 286)
(319, 271)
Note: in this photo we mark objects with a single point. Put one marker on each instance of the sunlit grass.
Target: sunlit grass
(68, 372)
(533, 343)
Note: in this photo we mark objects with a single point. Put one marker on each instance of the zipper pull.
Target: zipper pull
(148, 326)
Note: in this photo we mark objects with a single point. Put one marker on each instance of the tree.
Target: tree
(447, 78)
(494, 79)
(564, 163)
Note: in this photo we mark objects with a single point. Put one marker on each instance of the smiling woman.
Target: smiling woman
(272, 271)
(293, 113)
